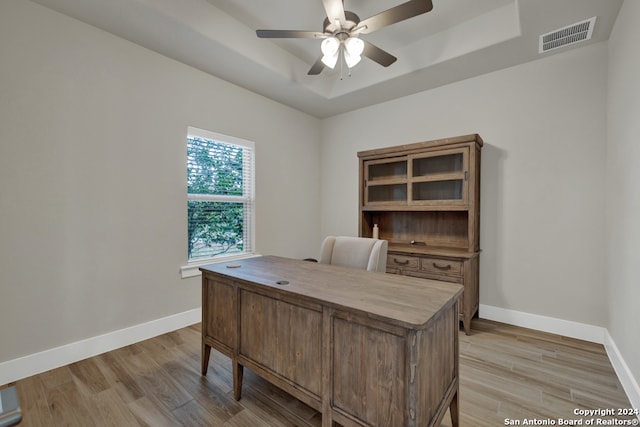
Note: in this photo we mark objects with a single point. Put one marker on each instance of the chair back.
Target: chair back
(357, 252)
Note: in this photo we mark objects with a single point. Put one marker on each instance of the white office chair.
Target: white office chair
(357, 252)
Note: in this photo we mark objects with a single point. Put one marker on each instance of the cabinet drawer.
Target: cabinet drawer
(440, 277)
(403, 261)
(441, 266)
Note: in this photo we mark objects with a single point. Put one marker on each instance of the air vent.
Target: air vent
(568, 35)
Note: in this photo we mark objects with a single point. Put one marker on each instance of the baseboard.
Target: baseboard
(23, 367)
(629, 383)
(552, 325)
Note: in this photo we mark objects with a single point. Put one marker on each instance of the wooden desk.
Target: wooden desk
(363, 348)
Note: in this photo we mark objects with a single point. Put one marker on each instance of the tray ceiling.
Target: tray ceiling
(458, 39)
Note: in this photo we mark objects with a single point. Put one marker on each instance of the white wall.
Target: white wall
(623, 184)
(542, 188)
(93, 178)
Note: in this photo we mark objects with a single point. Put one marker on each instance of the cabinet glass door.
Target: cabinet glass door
(440, 177)
(386, 181)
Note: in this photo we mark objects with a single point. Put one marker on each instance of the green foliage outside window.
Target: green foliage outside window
(215, 227)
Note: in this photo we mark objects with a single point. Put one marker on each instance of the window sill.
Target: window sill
(192, 269)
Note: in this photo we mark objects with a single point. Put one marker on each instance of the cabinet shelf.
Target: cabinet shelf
(391, 207)
(387, 169)
(450, 176)
(386, 181)
(441, 191)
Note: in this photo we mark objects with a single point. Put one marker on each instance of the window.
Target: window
(220, 199)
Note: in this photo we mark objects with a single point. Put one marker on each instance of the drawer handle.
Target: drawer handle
(442, 267)
(405, 262)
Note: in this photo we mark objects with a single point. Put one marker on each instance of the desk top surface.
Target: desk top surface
(406, 301)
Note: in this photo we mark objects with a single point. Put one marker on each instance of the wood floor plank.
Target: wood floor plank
(247, 418)
(192, 414)
(495, 381)
(260, 404)
(148, 413)
(506, 372)
(69, 406)
(268, 393)
(156, 381)
(112, 410)
(56, 377)
(113, 368)
(33, 402)
(88, 376)
(217, 401)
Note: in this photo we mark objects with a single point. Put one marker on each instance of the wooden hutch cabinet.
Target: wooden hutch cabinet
(425, 200)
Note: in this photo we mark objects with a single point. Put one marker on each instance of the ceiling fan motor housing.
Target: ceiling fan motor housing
(352, 20)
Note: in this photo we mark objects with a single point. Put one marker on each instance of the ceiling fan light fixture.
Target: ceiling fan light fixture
(330, 46)
(330, 60)
(354, 46)
(351, 60)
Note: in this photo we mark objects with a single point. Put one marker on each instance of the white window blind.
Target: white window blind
(220, 195)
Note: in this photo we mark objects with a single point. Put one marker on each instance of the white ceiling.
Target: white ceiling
(458, 39)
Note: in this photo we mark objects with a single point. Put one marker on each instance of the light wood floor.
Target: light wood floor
(506, 373)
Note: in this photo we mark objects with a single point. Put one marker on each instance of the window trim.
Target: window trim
(191, 267)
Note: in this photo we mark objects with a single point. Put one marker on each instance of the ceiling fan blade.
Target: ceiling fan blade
(378, 55)
(289, 34)
(335, 11)
(317, 67)
(395, 14)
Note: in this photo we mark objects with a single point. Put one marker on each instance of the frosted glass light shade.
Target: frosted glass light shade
(354, 46)
(351, 60)
(330, 61)
(330, 49)
(330, 46)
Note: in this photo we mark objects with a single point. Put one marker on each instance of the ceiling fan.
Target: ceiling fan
(341, 31)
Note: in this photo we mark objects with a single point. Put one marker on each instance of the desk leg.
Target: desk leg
(466, 323)
(238, 371)
(454, 411)
(206, 353)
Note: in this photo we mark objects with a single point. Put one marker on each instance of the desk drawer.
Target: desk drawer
(403, 261)
(441, 266)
